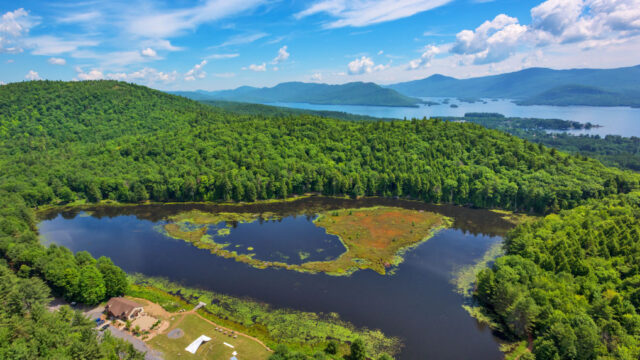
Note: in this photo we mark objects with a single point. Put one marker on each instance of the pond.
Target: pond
(623, 121)
(417, 303)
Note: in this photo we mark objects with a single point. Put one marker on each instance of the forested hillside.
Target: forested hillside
(86, 141)
(112, 140)
(354, 93)
(571, 282)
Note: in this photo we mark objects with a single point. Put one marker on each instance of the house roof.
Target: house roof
(119, 305)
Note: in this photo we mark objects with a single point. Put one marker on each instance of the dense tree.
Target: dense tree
(570, 281)
(29, 331)
(115, 279)
(166, 148)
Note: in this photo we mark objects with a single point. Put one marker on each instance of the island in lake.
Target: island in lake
(372, 238)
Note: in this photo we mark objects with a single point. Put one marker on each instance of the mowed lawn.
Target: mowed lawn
(194, 326)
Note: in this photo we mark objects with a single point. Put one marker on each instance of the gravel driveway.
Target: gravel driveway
(137, 343)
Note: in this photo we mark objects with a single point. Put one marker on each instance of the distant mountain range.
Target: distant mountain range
(538, 86)
(355, 93)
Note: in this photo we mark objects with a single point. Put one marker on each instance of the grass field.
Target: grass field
(194, 326)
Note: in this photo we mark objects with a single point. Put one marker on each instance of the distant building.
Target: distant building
(123, 309)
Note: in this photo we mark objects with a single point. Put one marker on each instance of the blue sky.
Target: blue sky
(216, 44)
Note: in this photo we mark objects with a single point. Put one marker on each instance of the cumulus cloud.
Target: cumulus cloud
(283, 55)
(492, 41)
(425, 59)
(364, 65)
(367, 12)
(590, 23)
(32, 75)
(149, 52)
(567, 21)
(316, 77)
(145, 76)
(254, 67)
(14, 25)
(57, 61)
(196, 72)
(93, 74)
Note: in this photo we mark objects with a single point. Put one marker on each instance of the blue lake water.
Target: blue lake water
(293, 240)
(624, 121)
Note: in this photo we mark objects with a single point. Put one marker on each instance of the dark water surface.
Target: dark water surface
(417, 303)
(292, 239)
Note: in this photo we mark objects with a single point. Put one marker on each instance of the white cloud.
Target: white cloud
(144, 76)
(80, 17)
(196, 72)
(254, 67)
(160, 44)
(57, 61)
(224, 75)
(283, 55)
(492, 41)
(147, 75)
(32, 75)
(149, 52)
(360, 66)
(14, 25)
(367, 12)
(380, 52)
(94, 74)
(242, 39)
(567, 21)
(364, 65)
(52, 45)
(157, 23)
(223, 56)
(316, 77)
(425, 58)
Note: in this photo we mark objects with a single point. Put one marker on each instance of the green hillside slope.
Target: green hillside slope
(355, 93)
(120, 141)
(86, 141)
(570, 283)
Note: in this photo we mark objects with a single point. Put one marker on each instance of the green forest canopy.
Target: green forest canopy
(112, 140)
(571, 282)
(93, 140)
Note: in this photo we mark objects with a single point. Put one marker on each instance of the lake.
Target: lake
(624, 121)
(417, 303)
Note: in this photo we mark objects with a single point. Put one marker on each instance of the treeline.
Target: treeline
(611, 150)
(570, 283)
(29, 331)
(357, 351)
(112, 140)
(76, 277)
(499, 121)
